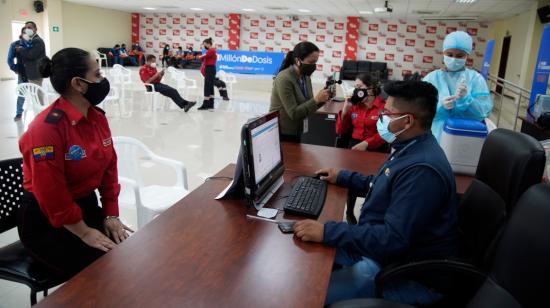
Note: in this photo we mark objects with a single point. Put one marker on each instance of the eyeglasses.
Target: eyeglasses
(382, 113)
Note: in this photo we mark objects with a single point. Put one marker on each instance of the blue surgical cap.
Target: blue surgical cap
(458, 40)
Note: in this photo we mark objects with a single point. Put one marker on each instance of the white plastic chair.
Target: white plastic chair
(229, 80)
(32, 93)
(100, 57)
(190, 84)
(113, 98)
(150, 200)
(121, 77)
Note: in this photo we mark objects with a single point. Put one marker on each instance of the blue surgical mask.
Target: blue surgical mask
(383, 125)
(454, 64)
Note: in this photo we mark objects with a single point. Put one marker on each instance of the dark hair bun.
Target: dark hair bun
(45, 67)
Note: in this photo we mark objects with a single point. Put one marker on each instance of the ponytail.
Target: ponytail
(288, 61)
(301, 51)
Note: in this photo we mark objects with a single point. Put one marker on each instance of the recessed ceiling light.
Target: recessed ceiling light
(249, 10)
(465, 1)
(380, 9)
(149, 8)
(365, 12)
(196, 9)
(304, 11)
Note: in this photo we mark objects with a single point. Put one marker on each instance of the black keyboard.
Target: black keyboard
(307, 197)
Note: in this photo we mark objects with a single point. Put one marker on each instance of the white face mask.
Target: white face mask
(154, 64)
(29, 32)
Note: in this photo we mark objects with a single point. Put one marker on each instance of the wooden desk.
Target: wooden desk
(205, 253)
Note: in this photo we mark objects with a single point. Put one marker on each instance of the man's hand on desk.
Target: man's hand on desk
(328, 174)
(361, 146)
(309, 230)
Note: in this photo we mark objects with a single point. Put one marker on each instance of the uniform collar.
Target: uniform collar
(398, 145)
(73, 115)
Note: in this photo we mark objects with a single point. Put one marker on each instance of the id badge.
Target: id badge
(306, 126)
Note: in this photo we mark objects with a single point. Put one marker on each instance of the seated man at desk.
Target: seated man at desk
(410, 210)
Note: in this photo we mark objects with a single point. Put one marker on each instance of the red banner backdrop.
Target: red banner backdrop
(352, 36)
(135, 28)
(234, 31)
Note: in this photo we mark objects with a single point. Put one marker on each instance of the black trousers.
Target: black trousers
(170, 92)
(57, 248)
(209, 77)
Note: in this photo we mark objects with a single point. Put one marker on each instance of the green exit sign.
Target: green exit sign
(55, 29)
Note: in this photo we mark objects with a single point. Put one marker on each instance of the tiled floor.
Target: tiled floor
(205, 141)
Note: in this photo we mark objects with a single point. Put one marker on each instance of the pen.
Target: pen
(261, 218)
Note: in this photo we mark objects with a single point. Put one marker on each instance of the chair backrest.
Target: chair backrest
(11, 191)
(128, 151)
(510, 163)
(32, 92)
(481, 214)
(520, 273)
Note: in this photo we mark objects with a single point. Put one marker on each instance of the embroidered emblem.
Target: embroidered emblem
(76, 152)
(43, 153)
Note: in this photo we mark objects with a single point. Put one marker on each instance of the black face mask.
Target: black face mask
(307, 69)
(358, 96)
(97, 91)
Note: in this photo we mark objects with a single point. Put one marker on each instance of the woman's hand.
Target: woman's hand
(96, 239)
(116, 230)
(322, 97)
(361, 146)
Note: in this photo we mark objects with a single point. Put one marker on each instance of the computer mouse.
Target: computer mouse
(319, 175)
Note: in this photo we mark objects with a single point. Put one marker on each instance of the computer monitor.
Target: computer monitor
(262, 159)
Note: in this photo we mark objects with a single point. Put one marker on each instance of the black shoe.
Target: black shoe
(17, 118)
(189, 105)
(205, 105)
(224, 95)
(211, 103)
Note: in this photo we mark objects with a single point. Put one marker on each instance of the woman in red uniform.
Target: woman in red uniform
(359, 115)
(208, 69)
(68, 153)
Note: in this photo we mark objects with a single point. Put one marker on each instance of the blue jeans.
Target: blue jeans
(116, 60)
(356, 280)
(20, 99)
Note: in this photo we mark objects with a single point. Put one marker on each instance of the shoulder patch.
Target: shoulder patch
(43, 153)
(54, 116)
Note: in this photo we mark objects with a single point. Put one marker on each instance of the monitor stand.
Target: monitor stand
(269, 193)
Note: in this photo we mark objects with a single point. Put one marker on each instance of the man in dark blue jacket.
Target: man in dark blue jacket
(17, 65)
(410, 210)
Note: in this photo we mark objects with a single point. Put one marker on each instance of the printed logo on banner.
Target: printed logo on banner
(287, 24)
(321, 25)
(162, 32)
(336, 54)
(268, 48)
(429, 43)
(269, 35)
(389, 57)
(427, 59)
(431, 29)
(472, 31)
(176, 45)
(175, 21)
(219, 33)
(410, 42)
(286, 36)
(204, 32)
(176, 32)
(190, 32)
(149, 44)
(253, 48)
(320, 38)
(149, 21)
(411, 28)
(321, 52)
(253, 35)
(204, 21)
(319, 67)
(352, 36)
(271, 23)
(335, 68)
(391, 41)
(450, 29)
(304, 24)
(190, 21)
(339, 26)
(408, 58)
(149, 31)
(372, 40)
(371, 55)
(373, 27)
(406, 72)
(219, 21)
(392, 28)
(162, 20)
(338, 39)
(303, 37)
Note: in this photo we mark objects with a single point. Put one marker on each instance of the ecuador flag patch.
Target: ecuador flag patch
(43, 153)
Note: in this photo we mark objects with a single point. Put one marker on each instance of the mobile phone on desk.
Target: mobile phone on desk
(286, 226)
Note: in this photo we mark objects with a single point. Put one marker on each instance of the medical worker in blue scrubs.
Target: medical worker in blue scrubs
(463, 92)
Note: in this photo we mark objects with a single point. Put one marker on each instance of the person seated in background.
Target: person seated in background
(410, 209)
(359, 115)
(137, 51)
(149, 75)
(165, 56)
(463, 92)
(124, 55)
(177, 57)
(115, 53)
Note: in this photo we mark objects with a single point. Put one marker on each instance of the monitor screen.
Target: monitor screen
(266, 148)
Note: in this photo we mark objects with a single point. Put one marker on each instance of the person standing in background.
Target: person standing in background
(32, 56)
(463, 92)
(166, 55)
(18, 67)
(208, 70)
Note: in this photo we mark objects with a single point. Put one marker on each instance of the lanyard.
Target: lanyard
(303, 87)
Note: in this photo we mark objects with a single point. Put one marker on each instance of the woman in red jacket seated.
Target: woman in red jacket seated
(360, 114)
